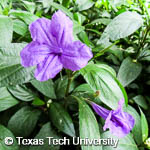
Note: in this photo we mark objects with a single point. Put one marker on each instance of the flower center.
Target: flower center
(59, 51)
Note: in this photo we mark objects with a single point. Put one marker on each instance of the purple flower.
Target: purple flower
(53, 48)
(120, 123)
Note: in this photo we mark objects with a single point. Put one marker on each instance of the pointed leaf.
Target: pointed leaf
(4, 132)
(24, 121)
(88, 125)
(61, 119)
(129, 71)
(6, 30)
(6, 99)
(101, 79)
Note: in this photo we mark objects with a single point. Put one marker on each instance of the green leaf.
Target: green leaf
(84, 37)
(137, 132)
(104, 21)
(4, 132)
(10, 54)
(144, 125)
(88, 125)
(6, 30)
(77, 28)
(123, 144)
(66, 3)
(128, 71)
(30, 6)
(123, 25)
(140, 100)
(83, 87)
(84, 4)
(46, 88)
(26, 16)
(21, 92)
(61, 119)
(20, 27)
(6, 99)
(106, 67)
(23, 122)
(38, 102)
(145, 55)
(62, 8)
(11, 72)
(61, 85)
(46, 3)
(46, 131)
(100, 79)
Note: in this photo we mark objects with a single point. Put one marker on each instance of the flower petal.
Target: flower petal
(119, 126)
(49, 68)
(76, 56)
(100, 110)
(33, 54)
(62, 28)
(40, 31)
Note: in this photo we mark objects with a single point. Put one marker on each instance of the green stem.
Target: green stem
(104, 50)
(142, 43)
(70, 79)
(68, 86)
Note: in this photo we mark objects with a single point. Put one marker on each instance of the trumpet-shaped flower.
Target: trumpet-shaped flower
(120, 123)
(53, 47)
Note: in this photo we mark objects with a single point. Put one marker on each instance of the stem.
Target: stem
(70, 79)
(104, 50)
(142, 43)
(68, 85)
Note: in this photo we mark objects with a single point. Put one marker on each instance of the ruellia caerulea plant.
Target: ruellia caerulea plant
(74, 75)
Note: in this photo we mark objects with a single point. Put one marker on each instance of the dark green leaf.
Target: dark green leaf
(61, 119)
(129, 71)
(46, 131)
(23, 122)
(61, 85)
(6, 99)
(4, 132)
(88, 125)
(46, 88)
(21, 92)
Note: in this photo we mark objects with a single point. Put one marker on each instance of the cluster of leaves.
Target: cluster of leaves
(117, 32)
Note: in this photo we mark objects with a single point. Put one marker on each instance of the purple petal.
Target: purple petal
(76, 56)
(119, 127)
(40, 31)
(100, 110)
(62, 28)
(120, 123)
(49, 68)
(120, 106)
(33, 54)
